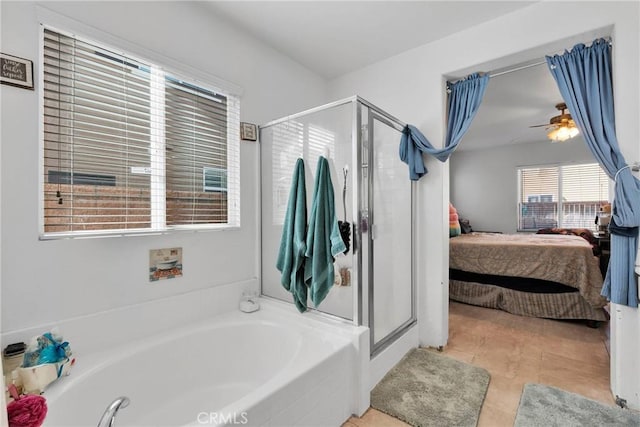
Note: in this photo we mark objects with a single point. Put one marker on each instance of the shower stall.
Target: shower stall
(374, 284)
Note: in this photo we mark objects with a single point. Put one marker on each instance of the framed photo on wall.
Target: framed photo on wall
(248, 131)
(165, 264)
(16, 71)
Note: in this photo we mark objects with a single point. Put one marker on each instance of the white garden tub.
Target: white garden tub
(271, 367)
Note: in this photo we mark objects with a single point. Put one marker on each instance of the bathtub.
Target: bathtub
(273, 367)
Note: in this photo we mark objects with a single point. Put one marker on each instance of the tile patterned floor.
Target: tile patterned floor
(516, 350)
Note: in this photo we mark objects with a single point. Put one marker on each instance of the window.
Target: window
(566, 196)
(129, 146)
(214, 179)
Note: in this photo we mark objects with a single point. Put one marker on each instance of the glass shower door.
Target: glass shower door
(391, 308)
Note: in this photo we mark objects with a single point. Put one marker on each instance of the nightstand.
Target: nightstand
(604, 242)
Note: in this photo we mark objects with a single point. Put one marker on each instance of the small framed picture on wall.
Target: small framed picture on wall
(16, 71)
(248, 131)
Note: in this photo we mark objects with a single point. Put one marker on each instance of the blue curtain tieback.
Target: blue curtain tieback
(615, 178)
(465, 97)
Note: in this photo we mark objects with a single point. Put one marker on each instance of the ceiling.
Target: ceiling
(332, 38)
(512, 103)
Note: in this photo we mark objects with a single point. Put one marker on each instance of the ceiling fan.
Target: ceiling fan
(560, 127)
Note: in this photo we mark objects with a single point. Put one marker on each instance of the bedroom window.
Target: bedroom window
(566, 196)
(130, 147)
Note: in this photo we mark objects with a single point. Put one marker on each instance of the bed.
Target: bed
(539, 275)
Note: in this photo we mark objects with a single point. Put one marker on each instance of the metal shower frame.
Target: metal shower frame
(357, 209)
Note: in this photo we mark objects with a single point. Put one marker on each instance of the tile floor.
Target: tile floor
(517, 350)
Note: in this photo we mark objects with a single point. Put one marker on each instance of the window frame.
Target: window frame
(558, 203)
(170, 67)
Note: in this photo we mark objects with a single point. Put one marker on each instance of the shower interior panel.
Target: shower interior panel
(326, 132)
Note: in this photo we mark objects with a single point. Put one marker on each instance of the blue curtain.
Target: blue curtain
(465, 97)
(585, 81)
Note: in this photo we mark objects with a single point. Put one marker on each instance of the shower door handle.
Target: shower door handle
(364, 224)
(373, 230)
(367, 227)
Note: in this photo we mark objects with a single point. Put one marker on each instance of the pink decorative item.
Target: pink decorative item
(453, 213)
(454, 225)
(26, 411)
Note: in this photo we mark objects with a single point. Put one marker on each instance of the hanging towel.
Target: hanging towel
(292, 244)
(323, 237)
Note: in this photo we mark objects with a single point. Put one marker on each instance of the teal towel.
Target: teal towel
(292, 244)
(323, 237)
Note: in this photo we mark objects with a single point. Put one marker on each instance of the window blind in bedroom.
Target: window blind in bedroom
(567, 196)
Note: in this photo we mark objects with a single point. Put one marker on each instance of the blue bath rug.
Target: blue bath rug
(541, 405)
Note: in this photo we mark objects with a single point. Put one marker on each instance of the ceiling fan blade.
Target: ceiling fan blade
(540, 126)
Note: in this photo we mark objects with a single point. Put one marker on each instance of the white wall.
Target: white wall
(484, 183)
(45, 281)
(411, 87)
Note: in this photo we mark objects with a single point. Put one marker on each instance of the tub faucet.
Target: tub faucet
(109, 417)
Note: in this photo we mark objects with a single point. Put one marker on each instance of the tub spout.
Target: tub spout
(109, 417)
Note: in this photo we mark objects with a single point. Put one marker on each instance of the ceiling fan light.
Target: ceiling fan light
(562, 133)
(554, 135)
(573, 131)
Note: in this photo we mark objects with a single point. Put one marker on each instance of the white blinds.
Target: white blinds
(128, 146)
(584, 189)
(288, 146)
(561, 196)
(539, 184)
(586, 183)
(292, 140)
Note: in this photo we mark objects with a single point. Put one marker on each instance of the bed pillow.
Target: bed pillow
(585, 233)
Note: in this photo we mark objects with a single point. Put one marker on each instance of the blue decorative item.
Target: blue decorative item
(46, 348)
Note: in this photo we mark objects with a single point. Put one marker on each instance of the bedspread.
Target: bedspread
(558, 258)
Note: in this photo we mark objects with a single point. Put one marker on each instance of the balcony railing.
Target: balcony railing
(537, 215)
